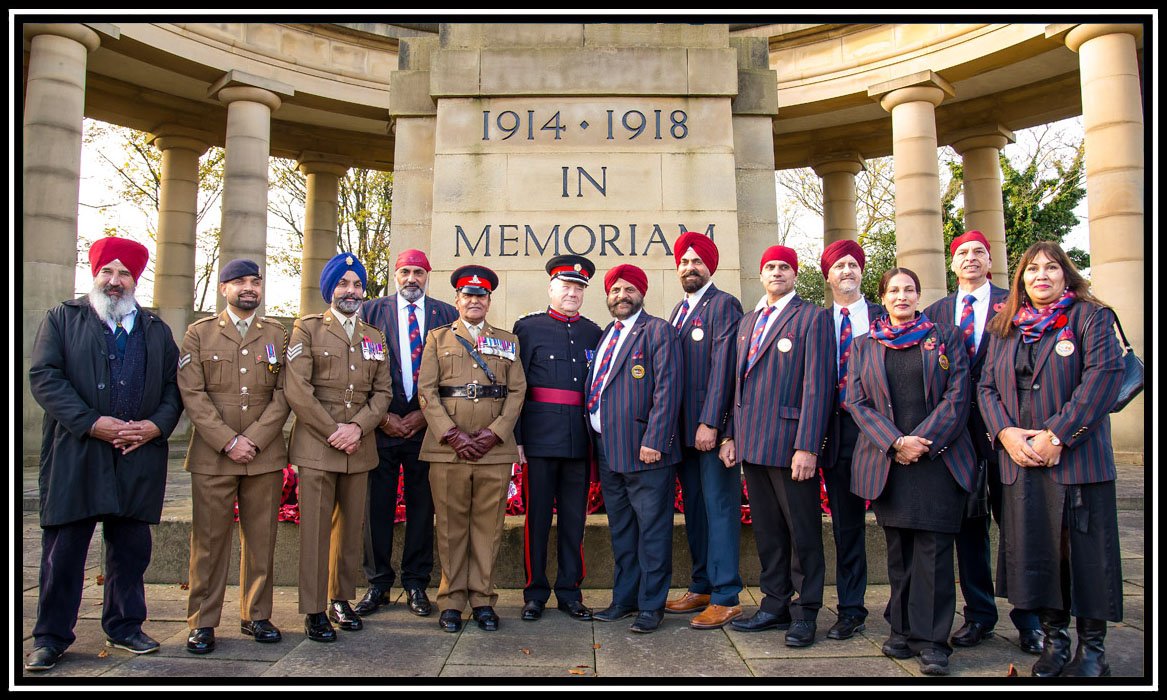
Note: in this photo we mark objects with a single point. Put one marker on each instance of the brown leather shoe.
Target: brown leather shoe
(690, 602)
(715, 616)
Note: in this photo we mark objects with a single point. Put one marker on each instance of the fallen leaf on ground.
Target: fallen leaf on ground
(595, 646)
(577, 671)
(103, 653)
(1012, 672)
(101, 579)
(525, 651)
(185, 586)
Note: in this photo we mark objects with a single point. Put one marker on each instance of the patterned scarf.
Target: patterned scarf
(900, 337)
(1033, 323)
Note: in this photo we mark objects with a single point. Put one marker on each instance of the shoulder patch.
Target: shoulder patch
(532, 313)
(204, 320)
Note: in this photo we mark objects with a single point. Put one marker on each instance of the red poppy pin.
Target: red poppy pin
(930, 344)
(998, 306)
(1061, 322)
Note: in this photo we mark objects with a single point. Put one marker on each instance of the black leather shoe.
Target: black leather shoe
(201, 640)
(933, 662)
(761, 620)
(533, 610)
(374, 598)
(846, 628)
(450, 621)
(647, 621)
(614, 612)
(576, 609)
(263, 631)
(137, 643)
(43, 658)
(801, 633)
(971, 634)
(896, 647)
(1031, 641)
(418, 602)
(486, 618)
(342, 614)
(318, 628)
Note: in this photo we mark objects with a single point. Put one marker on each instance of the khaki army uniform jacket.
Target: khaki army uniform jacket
(231, 386)
(332, 380)
(445, 362)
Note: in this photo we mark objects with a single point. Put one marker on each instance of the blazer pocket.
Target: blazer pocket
(791, 412)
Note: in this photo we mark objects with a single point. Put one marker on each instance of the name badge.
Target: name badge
(784, 345)
(697, 334)
(944, 362)
(1065, 348)
(638, 371)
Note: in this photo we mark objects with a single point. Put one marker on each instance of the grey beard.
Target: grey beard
(109, 310)
(411, 294)
(347, 306)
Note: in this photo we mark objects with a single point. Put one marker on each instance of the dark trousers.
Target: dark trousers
(848, 525)
(640, 522)
(923, 592)
(713, 524)
(788, 531)
(417, 557)
(62, 576)
(559, 486)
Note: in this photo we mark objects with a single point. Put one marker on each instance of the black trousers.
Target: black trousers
(559, 486)
(923, 591)
(848, 525)
(417, 557)
(62, 576)
(788, 531)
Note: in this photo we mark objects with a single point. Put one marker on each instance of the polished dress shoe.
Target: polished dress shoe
(43, 658)
(137, 643)
(486, 618)
(1031, 641)
(614, 612)
(647, 621)
(450, 621)
(576, 609)
(971, 634)
(263, 631)
(533, 610)
(374, 598)
(342, 614)
(896, 647)
(318, 628)
(801, 633)
(687, 603)
(846, 628)
(933, 662)
(418, 602)
(715, 616)
(761, 620)
(201, 640)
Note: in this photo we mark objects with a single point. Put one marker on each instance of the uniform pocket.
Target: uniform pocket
(216, 365)
(452, 362)
(325, 365)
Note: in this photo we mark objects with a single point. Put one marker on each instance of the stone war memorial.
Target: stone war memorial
(513, 142)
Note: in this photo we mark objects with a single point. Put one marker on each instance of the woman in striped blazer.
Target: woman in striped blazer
(908, 391)
(1052, 374)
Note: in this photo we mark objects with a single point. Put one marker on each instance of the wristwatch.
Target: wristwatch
(1053, 439)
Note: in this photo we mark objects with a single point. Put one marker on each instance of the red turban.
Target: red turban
(779, 252)
(839, 250)
(629, 273)
(413, 258)
(704, 246)
(131, 254)
(969, 236)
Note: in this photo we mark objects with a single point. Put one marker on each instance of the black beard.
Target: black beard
(691, 283)
(247, 304)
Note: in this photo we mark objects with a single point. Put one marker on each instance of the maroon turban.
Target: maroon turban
(839, 250)
(131, 254)
(704, 246)
(969, 236)
(779, 252)
(629, 273)
(412, 257)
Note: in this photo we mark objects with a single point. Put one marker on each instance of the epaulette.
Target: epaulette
(533, 313)
(380, 333)
(205, 319)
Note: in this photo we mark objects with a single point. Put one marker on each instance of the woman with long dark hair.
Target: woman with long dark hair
(908, 391)
(1052, 374)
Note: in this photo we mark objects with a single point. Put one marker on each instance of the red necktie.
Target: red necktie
(968, 325)
(682, 315)
(414, 343)
(844, 353)
(756, 338)
(602, 370)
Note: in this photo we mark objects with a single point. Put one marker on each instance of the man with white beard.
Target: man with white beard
(104, 371)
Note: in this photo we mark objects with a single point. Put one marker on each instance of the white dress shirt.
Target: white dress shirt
(626, 331)
(403, 349)
(694, 300)
(860, 322)
(980, 309)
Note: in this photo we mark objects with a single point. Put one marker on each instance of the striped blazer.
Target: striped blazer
(708, 350)
(641, 411)
(830, 449)
(946, 396)
(1072, 395)
(382, 313)
(944, 311)
(785, 402)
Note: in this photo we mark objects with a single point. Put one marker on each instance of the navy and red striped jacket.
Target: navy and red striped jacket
(708, 362)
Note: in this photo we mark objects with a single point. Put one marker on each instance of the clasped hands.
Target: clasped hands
(1030, 448)
(126, 436)
(403, 426)
(911, 448)
(471, 447)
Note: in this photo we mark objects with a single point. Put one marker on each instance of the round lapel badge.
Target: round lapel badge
(697, 334)
(784, 345)
(638, 371)
(944, 362)
(1065, 348)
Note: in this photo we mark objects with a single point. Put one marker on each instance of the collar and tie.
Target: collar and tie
(242, 325)
(844, 354)
(968, 325)
(756, 338)
(120, 337)
(414, 343)
(602, 370)
(349, 326)
(684, 313)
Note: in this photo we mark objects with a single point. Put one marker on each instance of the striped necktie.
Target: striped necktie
(684, 313)
(414, 343)
(602, 370)
(844, 354)
(968, 325)
(756, 338)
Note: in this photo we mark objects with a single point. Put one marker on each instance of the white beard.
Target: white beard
(108, 309)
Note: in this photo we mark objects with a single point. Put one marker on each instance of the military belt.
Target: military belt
(345, 396)
(474, 391)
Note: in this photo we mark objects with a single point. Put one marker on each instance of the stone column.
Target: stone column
(320, 225)
(53, 115)
(912, 102)
(984, 207)
(250, 102)
(1112, 111)
(178, 205)
(838, 173)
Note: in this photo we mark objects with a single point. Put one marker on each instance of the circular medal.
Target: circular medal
(944, 362)
(637, 371)
(784, 345)
(697, 334)
(1065, 348)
